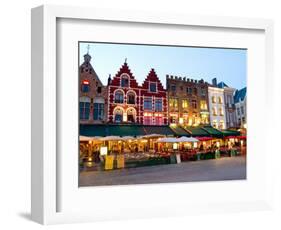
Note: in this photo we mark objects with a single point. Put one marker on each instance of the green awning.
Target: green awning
(122, 130)
(179, 131)
(197, 131)
(212, 131)
(153, 129)
(228, 133)
(92, 130)
(125, 130)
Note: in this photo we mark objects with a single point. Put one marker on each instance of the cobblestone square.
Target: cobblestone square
(227, 168)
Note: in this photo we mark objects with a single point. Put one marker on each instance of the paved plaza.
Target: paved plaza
(228, 168)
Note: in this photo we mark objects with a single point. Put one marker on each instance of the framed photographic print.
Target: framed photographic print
(141, 114)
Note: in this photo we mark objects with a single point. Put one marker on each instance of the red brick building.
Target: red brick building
(154, 105)
(92, 95)
(130, 103)
(123, 97)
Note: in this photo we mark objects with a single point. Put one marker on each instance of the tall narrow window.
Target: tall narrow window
(147, 103)
(188, 90)
(203, 92)
(184, 103)
(119, 97)
(173, 103)
(194, 104)
(98, 111)
(118, 115)
(84, 108)
(131, 98)
(203, 105)
(220, 111)
(158, 105)
(124, 81)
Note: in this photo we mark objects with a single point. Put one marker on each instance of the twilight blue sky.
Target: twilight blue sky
(228, 65)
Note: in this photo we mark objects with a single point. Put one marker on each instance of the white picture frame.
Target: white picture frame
(47, 184)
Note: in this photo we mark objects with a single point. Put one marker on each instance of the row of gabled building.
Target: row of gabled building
(185, 101)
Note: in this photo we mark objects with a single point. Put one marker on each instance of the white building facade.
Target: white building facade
(217, 107)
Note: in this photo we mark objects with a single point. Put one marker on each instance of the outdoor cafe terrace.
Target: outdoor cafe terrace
(141, 145)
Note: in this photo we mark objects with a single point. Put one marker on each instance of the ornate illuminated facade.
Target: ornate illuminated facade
(130, 103)
(188, 101)
(154, 104)
(92, 95)
(123, 97)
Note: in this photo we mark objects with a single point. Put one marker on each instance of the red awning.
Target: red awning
(242, 137)
(204, 138)
(231, 137)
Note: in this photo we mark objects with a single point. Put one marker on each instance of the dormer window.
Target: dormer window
(153, 87)
(124, 81)
(85, 86)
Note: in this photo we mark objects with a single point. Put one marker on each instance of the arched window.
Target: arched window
(118, 115)
(131, 98)
(131, 115)
(118, 97)
(84, 108)
(124, 81)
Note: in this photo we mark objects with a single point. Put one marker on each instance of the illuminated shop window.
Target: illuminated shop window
(184, 104)
(131, 115)
(147, 120)
(158, 121)
(118, 115)
(203, 105)
(173, 119)
(173, 102)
